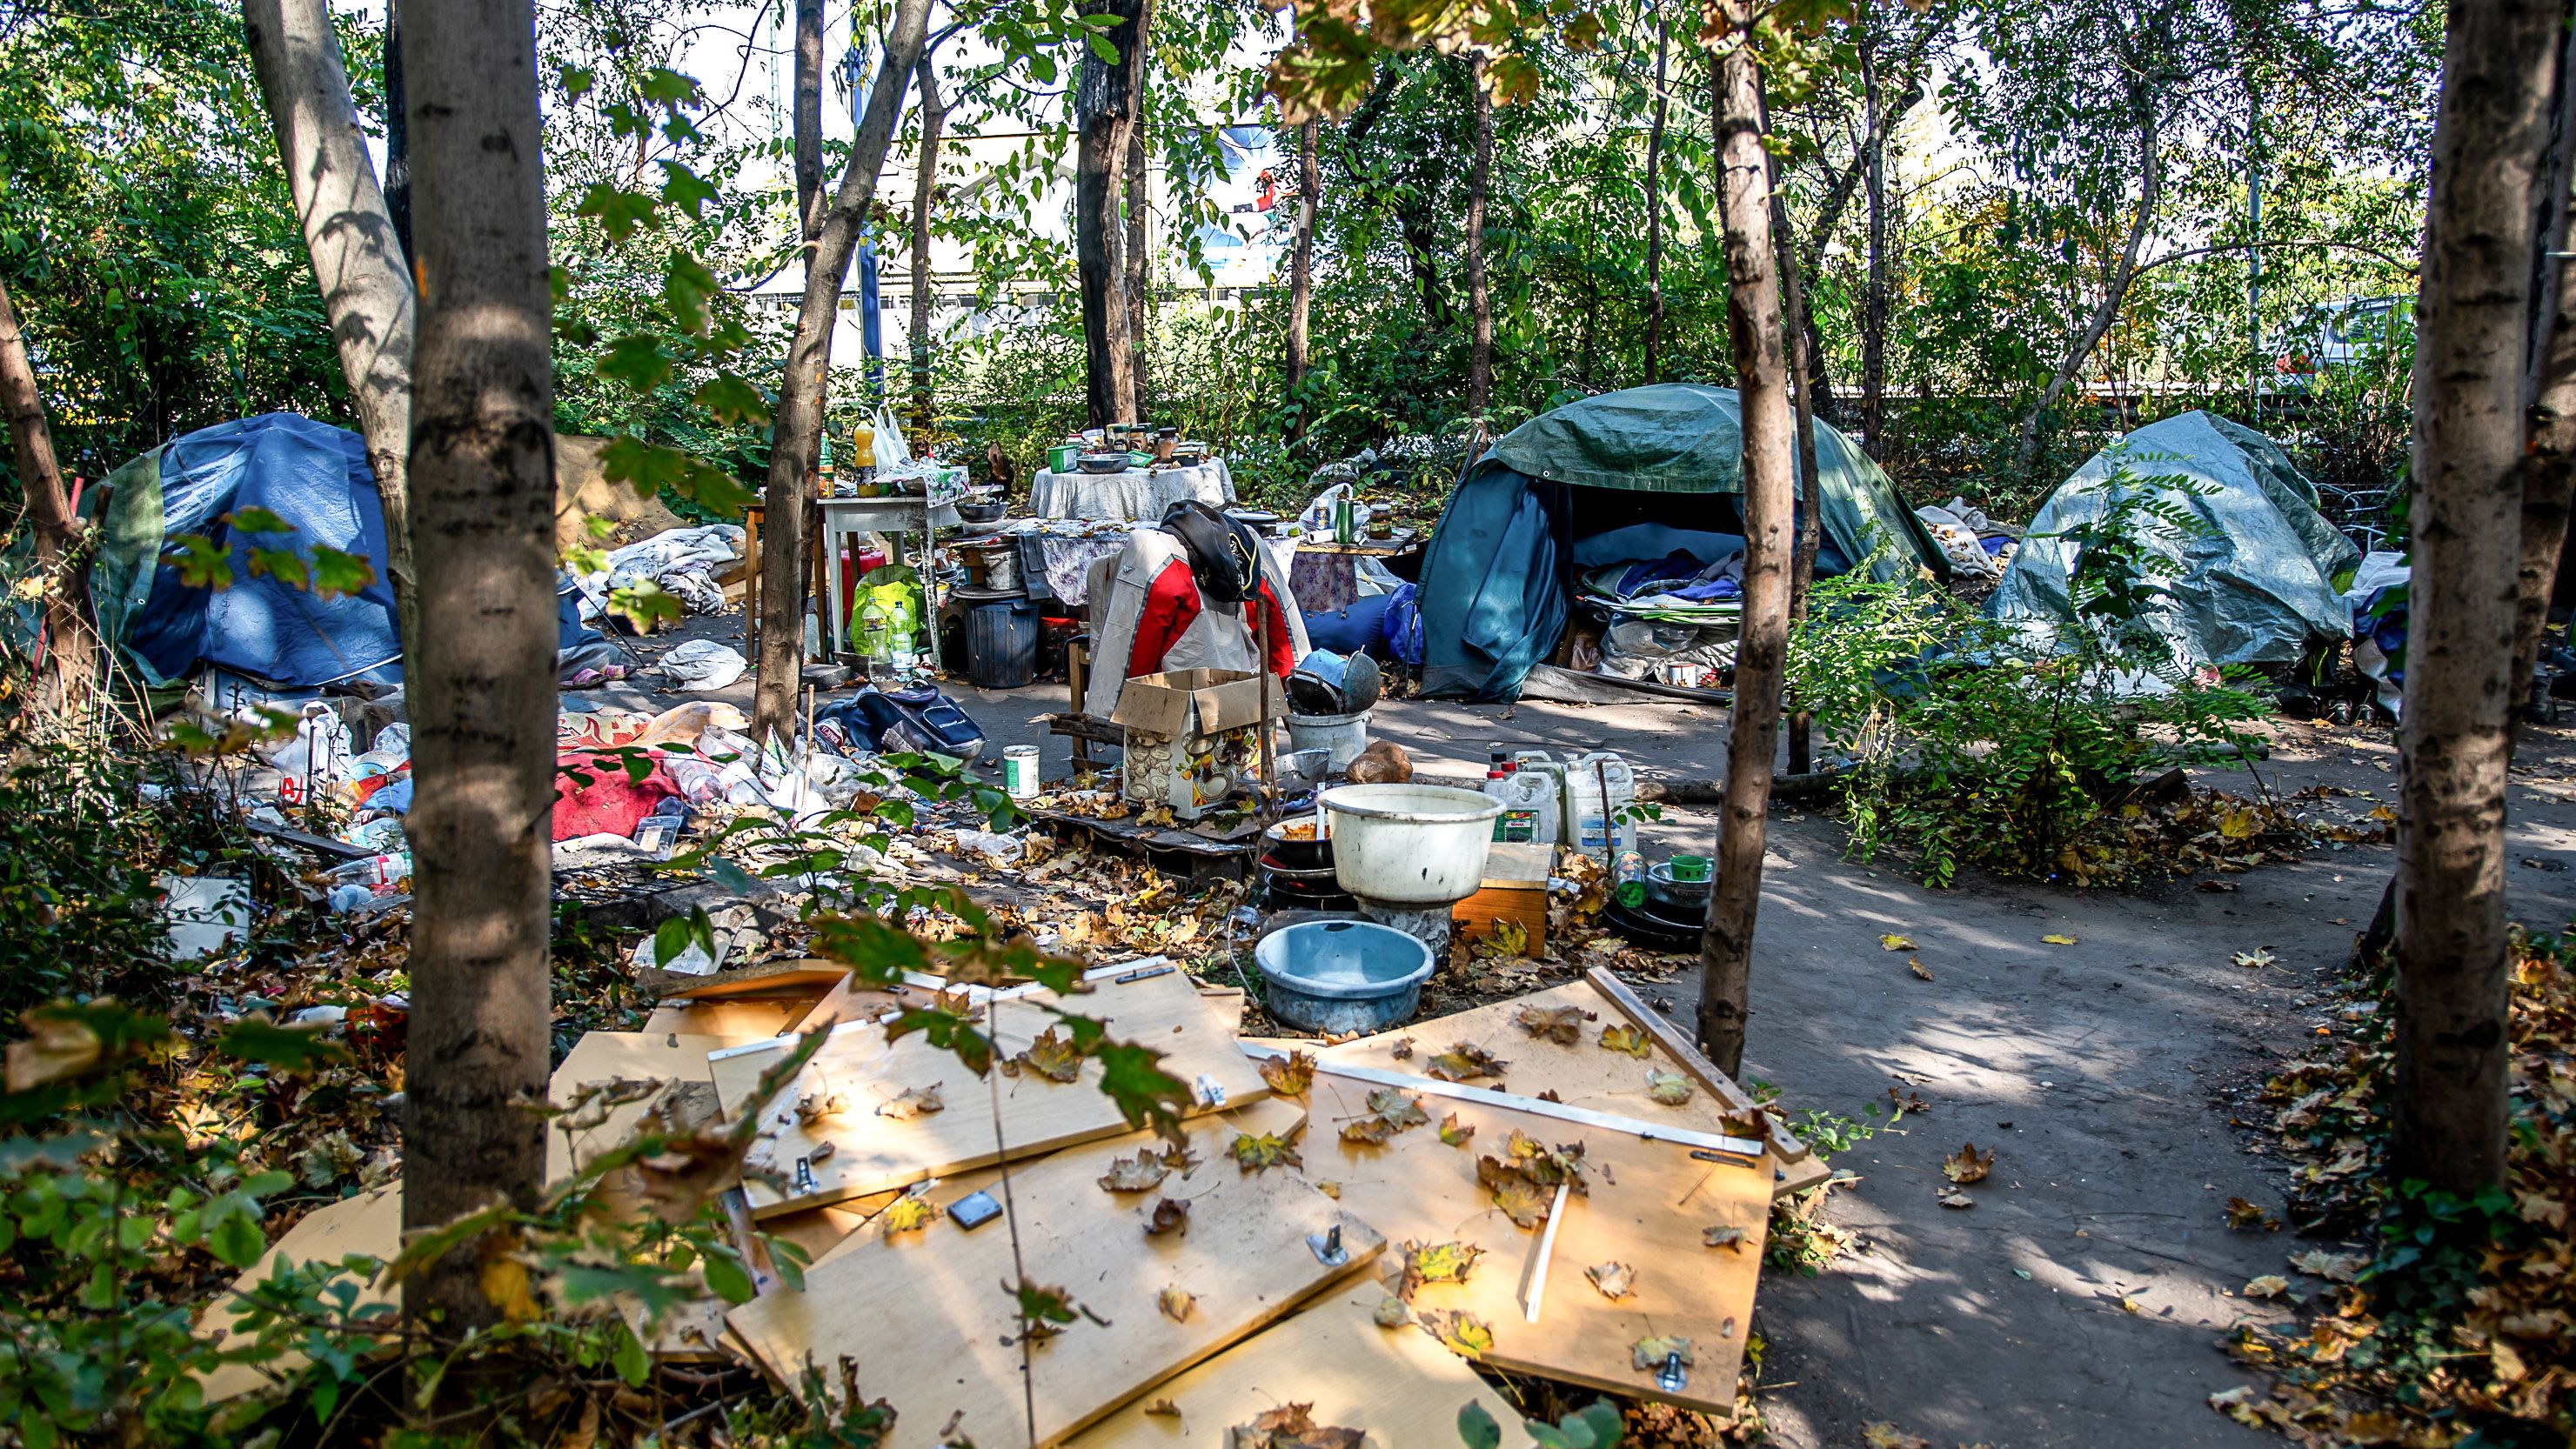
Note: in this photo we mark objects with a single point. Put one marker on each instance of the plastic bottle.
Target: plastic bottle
(376, 872)
(1600, 789)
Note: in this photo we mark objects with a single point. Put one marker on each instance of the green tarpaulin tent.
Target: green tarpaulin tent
(1622, 477)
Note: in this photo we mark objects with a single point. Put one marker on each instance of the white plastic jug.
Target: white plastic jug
(1530, 807)
(1600, 801)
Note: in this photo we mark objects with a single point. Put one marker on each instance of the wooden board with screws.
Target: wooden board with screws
(858, 1119)
(1678, 1237)
(930, 1318)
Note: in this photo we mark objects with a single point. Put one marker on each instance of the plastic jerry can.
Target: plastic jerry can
(1600, 803)
(1529, 807)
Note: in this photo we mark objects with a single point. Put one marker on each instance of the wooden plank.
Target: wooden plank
(603, 1057)
(1647, 1207)
(925, 1317)
(368, 1224)
(1396, 1385)
(873, 1153)
(1746, 1149)
(807, 977)
(744, 1018)
(1585, 1074)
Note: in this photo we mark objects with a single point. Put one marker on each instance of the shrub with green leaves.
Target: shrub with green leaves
(1979, 743)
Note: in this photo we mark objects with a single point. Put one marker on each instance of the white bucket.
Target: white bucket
(1411, 844)
(1341, 736)
(1020, 771)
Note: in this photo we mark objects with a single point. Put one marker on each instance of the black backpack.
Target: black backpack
(1225, 555)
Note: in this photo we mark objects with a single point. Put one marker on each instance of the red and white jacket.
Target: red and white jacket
(1151, 618)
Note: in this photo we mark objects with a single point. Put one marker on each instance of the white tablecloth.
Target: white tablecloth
(1139, 494)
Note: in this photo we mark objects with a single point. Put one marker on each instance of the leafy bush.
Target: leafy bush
(1977, 743)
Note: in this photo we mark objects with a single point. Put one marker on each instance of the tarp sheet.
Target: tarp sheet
(1496, 578)
(2257, 583)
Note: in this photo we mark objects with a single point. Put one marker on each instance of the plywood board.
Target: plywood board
(1648, 1204)
(369, 1224)
(864, 1069)
(604, 1057)
(747, 1018)
(1584, 1074)
(1395, 1385)
(809, 976)
(925, 1315)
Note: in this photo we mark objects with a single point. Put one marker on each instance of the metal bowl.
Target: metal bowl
(1103, 462)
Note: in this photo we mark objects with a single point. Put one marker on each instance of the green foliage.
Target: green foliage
(1594, 1426)
(1978, 743)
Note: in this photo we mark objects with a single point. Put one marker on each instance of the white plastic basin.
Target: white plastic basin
(1411, 844)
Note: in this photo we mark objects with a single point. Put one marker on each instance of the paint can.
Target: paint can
(1020, 771)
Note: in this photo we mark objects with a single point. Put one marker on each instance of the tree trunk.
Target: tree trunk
(1134, 258)
(1480, 304)
(805, 117)
(1655, 208)
(2151, 180)
(1105, 103)
(1802, 567)
(358, 259)
(796, 430)
(1301, 258)
(482, 685)
(1873, 318)
(2472, 353)
(2549, 459)
(397, 135)
(1415, 226)
(63, 685)
(1762, 383)
(934, 114)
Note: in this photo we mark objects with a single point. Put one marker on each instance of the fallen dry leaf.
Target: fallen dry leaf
(2057, 940)
(2270, 1285)
(1175, 1303)
(2244, 1216)
(1560, 1024)
(1164, 1408)
(1171, 1215)
(1052, 1056)
(1626, 1038)
(1462, 1332)
(1884, 1435)
(2254, 960)
(1465, 1063)
(1291, 1075)
(1142, 1172)
(1670, 1088)
(1402, 1051)
(1453, 1133)
(1291, 1427)
(1435, 1263)
(906, 1214)
(1615, 1280)
(1393, 1312)
(1896, 943)
(1957, 1199)
(1966, 1166)
(917, 1102)
(1915, 965)
(2336, 1267)
(1649, 1354)
(1267, 1150)
(1391, 1111)
(1722, 1236)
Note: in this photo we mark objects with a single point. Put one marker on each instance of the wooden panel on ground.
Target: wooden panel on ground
(604, 1057)
(1649, 1207)
(1393, 1384)
(744, 1018)
(1585, 1073)
(874, 1151)
(1514, 890)
(368, 1224)
(927, 1317)
(807, 976)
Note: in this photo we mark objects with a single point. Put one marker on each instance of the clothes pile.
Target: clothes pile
(1978, 548)
(682, 562)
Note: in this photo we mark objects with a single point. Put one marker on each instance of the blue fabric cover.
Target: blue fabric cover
(1492, 602)
(1357, 629)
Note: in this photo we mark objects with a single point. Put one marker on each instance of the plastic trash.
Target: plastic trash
(205, 913)
(376, 872)
(703, 664)
(996, 847)
(347, 898)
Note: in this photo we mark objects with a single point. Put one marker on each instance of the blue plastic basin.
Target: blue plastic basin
(1342, 976)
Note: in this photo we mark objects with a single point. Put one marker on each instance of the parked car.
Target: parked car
(2334, 335)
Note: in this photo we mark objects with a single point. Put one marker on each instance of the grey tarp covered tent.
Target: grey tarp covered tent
(2257, 584)
(1621, 476)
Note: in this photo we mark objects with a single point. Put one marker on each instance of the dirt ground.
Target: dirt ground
(2080, 1301)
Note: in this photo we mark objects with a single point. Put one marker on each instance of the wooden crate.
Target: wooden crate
(1515, 889)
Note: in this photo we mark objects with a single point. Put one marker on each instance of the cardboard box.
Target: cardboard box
(1191, 734)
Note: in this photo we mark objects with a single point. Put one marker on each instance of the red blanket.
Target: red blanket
(595, 796)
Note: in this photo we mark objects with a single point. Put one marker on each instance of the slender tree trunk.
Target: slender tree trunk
(397, 134)
(357, 257)
(925, 193)
(2549, 460)
(796, 431)
(1655, 207)
(1134, 257)
(1762, 383)
(805, 118)
(1105, 103)
(2151, 180)
(1301, 258)
(63, 686)
(482, 689)
(1802, 567)
(2472, 356)
(1480, 303)
(1873, 321)
(1415, 226)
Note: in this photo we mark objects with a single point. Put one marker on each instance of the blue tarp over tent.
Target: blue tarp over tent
(310, 474)
(1628, 475)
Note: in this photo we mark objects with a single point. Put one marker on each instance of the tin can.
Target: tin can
(1020, 771)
